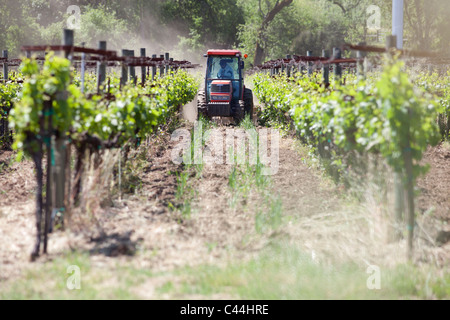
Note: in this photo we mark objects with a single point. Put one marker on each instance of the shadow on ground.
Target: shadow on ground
(114, 245)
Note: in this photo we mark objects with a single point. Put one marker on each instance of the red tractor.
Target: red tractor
(224, 94)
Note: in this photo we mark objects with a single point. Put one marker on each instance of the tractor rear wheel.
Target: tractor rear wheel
(202, 106)
(248, 101)
(238, 109)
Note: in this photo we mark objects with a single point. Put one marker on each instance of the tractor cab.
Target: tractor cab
(224, 75)
(224, 86)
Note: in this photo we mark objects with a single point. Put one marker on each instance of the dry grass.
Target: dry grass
(362, 229)
(139, 235)
(98, 182)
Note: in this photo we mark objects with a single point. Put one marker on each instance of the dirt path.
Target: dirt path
(142, 227)
(435, 191)
(142, 231)
(302, 191)
(17, 184)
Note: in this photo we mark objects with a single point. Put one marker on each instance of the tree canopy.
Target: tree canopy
(264, 29)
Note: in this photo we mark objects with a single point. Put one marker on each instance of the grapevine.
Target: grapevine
(363, 116)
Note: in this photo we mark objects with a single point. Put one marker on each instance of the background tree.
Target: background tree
(264, 29)
(266, 12)
(427, 24)
(202, 24)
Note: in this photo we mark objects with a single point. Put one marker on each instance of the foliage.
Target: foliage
(48, 84)
(387, 116)
(409, 118)
(134, 112)
(8, 95)
(269, 26)
(206, 23)
(439, 86)
(426, 24)
(191, 26)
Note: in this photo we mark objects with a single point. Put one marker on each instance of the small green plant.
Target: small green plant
(211, 246)
(385, 115)
(186, 209)
(271, 217)
(232, 182)
(245, 179)
(182, 182)
(3, 166)
(185, 190)
(247, 123)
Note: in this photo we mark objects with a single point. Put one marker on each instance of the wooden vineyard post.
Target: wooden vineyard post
(154, 68)
(309, 63)
(4, 121)
(5, 66)
(83, 67)
(132, 69)
(3, 124)
(326, 69)
(66, 172)
(61, 153)
(408, 181)
(301, 68)
(68, 40)
(143, 73)
(399, 207)
(48, 114)
(337, 67)
(101, 67)
(37, 159)
(288, 71)
(167, 59)
(407, 155)
(124, 76)
(361, 56)
(391, 42)
(161, 68)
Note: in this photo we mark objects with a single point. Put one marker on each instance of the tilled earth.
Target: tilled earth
(143, 229)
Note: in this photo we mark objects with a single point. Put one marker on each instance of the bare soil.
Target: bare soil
(435, 186)
(302, 190)
(17, 189)
(434, 200)
(143, 229)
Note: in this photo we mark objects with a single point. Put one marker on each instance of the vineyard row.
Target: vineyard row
(51, 115)
(384, 114)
